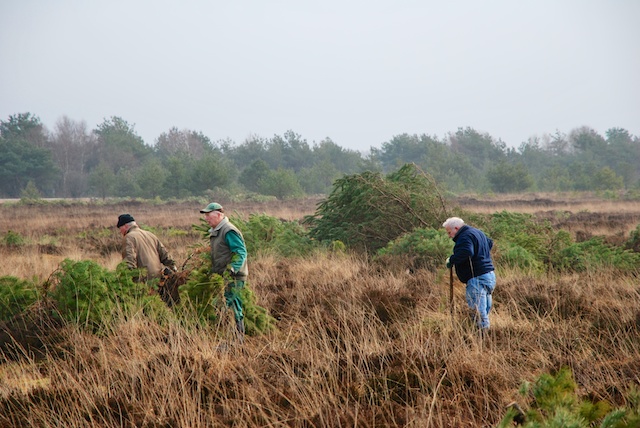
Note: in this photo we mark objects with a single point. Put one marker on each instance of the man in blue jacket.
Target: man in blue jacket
(472, 260)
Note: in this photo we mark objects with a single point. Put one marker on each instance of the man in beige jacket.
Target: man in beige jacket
(143, 249)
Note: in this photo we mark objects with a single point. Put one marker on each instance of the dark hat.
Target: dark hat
(124, 219)
(213, 206)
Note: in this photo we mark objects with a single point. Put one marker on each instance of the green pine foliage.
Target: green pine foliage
(266, 234)
(13, 239)
(554, 403)
(516, 256)
(595, 254)
(88, 294)
(633, 243)
(367, 211)
(425, 247)
(16, 295)
(203, 292)
(523, 241)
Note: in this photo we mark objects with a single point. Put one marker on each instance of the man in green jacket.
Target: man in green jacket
(228, 258)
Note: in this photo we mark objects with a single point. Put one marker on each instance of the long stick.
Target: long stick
(451, 290)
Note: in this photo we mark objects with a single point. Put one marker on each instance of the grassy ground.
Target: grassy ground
(357, 343)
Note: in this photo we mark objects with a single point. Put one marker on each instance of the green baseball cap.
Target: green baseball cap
(213, 206)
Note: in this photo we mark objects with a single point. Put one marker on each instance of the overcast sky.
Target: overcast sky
(357, 72)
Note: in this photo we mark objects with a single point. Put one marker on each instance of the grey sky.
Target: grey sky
(358, 72)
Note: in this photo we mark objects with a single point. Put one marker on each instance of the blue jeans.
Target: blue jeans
(479, 299)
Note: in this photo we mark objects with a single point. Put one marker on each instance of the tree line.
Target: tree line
(112, 160)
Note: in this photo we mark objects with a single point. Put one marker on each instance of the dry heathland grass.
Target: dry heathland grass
(357, 344)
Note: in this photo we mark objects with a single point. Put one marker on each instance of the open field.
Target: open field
(357, 343)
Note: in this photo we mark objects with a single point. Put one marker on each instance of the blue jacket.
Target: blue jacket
(471, 253)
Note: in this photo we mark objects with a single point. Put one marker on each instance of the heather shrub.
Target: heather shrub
(633, 243)
(426, 248)
(367, 211)
(16, 295)
(263, 233)
(13, 239)
(554, 403)
(88, 294)
(515, 256)
(594, 254)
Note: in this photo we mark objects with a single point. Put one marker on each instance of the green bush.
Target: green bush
(521, 230)
(633, 243)
(515, 256)
(426, 248)
(367, 211)
(594, 254)
(88, 294)
(263, 233)
(13, 239)
(554, 403)
(16, 295)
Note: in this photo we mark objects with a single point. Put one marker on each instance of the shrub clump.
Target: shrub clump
(425, 248)
(554, 403)
(16, 295)
(88, 294)
(366, 211)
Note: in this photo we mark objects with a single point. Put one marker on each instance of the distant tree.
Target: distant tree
(585, 139)
(118, 145)
(174, 142)
(30, 193)
(151, 178)
(251, 176)
(71, 147)
(281, 183)
(210, 172)
(344, 160)
(319, 178)
(624, 155)
(555, 178)
(25, 127)
(102, 180)
(294, 151)
(178, 182)
(126, 184)
(406, 148)
(506, 177)
(557, 144)
(252, 149)
(23, 157)
(606, 179)
(478, 148)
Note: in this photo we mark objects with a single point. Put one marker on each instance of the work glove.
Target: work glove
(232, 273)
(449, 265)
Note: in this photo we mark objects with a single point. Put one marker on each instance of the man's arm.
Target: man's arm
(164, 256)
(130, 253)
(238, 249)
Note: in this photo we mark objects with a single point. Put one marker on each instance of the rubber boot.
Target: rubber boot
(240, 332)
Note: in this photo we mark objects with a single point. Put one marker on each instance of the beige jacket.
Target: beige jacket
(144, 250)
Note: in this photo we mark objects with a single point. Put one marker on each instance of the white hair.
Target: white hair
(453, 222)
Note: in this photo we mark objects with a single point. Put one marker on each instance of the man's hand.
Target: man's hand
(449, 265)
